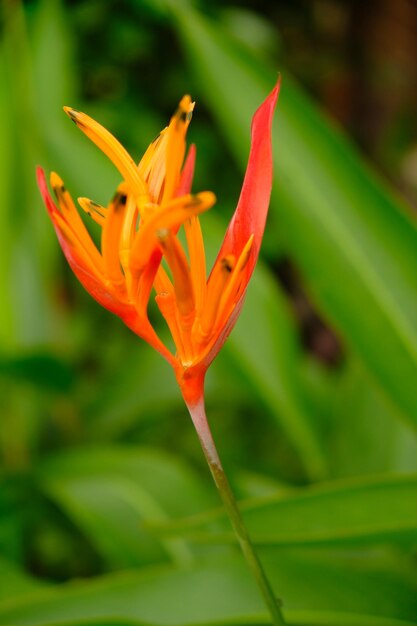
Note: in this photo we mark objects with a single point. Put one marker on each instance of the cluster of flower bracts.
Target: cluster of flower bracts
(140, 248)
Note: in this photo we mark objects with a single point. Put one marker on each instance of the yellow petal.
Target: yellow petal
(113, 149)
(74, 221)
(175, 149)
(94, 210)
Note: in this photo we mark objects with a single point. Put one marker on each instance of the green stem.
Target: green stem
(198, 415)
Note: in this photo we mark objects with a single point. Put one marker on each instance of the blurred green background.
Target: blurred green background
(107, 511)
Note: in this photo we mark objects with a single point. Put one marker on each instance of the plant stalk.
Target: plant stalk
(198, 416)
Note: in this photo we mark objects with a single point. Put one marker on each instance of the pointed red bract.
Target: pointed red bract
(252, 209)
(251, 212)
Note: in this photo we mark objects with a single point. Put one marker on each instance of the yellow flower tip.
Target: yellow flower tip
(208, 198)
(92, 203)
(93, 209)
(185, 109)
(58, 187)
(56, 182)
(73, 114)
(186, 103)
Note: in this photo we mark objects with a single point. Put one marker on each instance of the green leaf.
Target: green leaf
(24, 285)
(113, 621)
(112, 492)
(15, 582)
(366, 438)
(43, 370)
(120, 405)
(370, 511)
(6, 311)
(353, 240)
(313, 588)
(375, 510)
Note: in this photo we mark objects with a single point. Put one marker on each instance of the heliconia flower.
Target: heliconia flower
(140, 226)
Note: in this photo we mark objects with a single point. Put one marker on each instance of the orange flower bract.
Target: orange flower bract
(140, 227)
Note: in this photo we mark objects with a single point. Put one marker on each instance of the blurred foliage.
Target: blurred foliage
(312, 401)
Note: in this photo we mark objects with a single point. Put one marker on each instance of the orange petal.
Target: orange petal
(220, 277)
(77, 256)
(111, 234)
(170, 217)
(197, 256)
(183, 286)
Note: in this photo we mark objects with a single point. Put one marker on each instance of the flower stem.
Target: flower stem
(198, 415)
